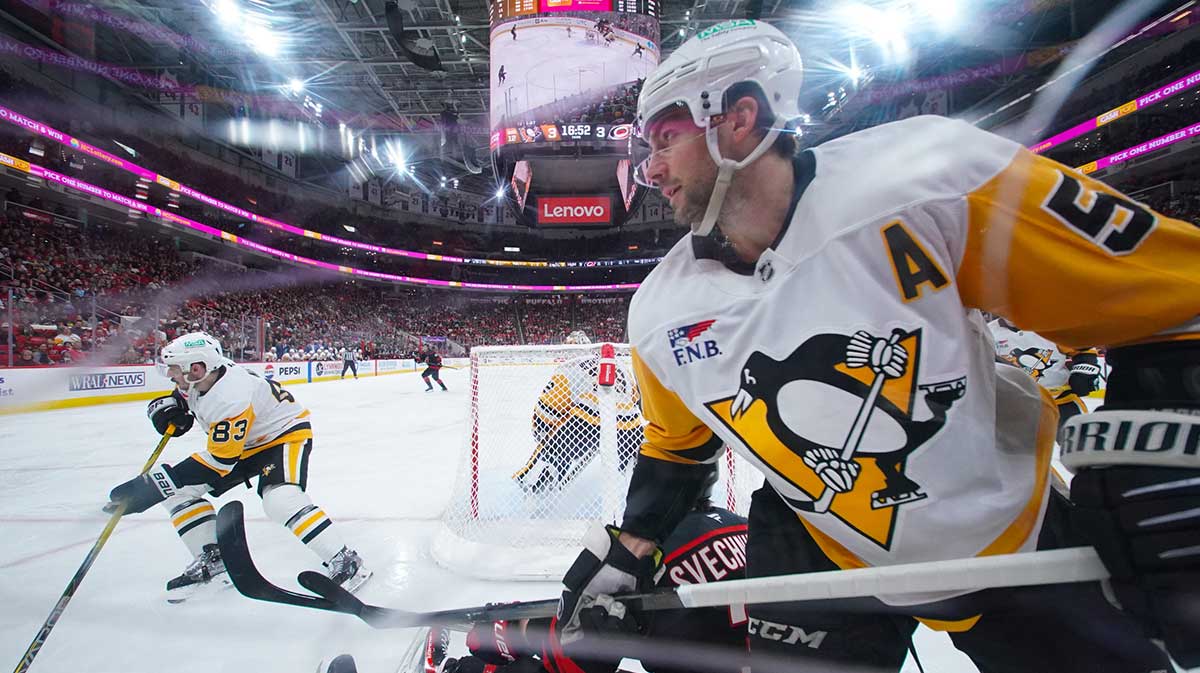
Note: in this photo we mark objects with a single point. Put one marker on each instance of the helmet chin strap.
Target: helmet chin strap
(725, 170)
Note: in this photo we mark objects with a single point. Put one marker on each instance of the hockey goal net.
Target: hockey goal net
(551, 440)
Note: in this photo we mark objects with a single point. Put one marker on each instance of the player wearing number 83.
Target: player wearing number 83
(823, 320)
(255, 429)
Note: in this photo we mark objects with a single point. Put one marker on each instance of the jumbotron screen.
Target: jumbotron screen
(567, 72)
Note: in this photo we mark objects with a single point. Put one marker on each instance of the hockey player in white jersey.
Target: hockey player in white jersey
(1070, 376)
(255, 428)
(567, 419)
(823, 320)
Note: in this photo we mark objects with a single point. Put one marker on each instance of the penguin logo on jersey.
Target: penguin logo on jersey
(836, 420)
(267, 469)
(1035, 361)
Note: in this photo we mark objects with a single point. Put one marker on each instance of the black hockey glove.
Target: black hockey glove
(497, 643)
(1136, 493)
(603, 569)
(170, 410)
(143, 491)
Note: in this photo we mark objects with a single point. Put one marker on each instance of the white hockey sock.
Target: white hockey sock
(289, 506)
(195, 521)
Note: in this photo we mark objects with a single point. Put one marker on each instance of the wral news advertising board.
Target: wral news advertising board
(40, 388)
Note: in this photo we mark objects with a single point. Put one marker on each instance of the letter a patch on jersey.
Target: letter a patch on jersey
(912, 265)
(836, 420)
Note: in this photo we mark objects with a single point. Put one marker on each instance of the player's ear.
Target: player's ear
(742, 117)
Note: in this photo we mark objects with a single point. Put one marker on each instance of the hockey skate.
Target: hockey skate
(205, 575)
(898, 490)
(346, 568)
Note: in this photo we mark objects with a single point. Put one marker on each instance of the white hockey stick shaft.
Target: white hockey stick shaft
(1059, 566)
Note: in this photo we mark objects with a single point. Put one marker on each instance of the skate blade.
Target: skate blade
(357, 581)
(198, 591)
(880, 503)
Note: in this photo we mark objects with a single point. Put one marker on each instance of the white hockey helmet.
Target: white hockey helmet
(189, 349)
(696, 77)
(577, 337)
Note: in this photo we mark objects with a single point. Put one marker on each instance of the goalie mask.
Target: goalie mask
(577, 337)
(697, 77)
(189, 349)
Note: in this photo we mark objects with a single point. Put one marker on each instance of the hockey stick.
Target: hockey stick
(40, 639)
(235, 552)
(844, 590)
(838, 590)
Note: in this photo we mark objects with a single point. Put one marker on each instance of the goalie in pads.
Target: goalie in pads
(567, 419)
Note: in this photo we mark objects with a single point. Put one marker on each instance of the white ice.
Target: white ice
(383, 464)
(544, 65)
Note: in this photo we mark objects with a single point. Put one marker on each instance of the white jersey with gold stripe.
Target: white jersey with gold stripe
(244, 414)
(572, 391)
(1040, 358)
(848, 363)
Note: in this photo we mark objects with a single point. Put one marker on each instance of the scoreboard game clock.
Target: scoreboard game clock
(647, 7)
(507, 9)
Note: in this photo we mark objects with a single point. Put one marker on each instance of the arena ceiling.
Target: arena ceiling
(343, 53)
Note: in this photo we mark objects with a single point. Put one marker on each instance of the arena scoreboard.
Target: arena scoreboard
(647, 7)
(501, 10)
(508, 9)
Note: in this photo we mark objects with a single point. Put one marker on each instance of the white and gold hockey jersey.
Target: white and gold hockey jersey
(849, 365)
(244, 414)
(1040, 358)
(567, 419)
(572, 391)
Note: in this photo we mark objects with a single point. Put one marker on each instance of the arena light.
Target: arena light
(296, 86)
(511, 248)
(227, 11)
(854, 73)
(944, 13)
(264, 41)
(349, 228)
(885, 27)
(500, 193)
(395, 154)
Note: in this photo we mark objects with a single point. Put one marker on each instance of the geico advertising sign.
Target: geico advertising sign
(574, 209)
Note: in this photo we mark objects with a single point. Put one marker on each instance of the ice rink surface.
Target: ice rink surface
(384, 459)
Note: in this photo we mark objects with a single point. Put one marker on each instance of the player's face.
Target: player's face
(680, 165)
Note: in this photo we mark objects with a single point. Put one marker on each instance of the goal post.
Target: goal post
(548, 453)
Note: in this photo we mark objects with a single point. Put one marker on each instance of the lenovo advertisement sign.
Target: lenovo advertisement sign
(569, 211)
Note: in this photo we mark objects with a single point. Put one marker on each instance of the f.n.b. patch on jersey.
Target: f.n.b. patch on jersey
(686, 345)
(836, 420)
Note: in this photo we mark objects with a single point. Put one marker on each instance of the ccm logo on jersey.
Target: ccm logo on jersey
(784, 633)
(684, 346)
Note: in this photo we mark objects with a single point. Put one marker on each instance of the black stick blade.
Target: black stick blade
(231, 538)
